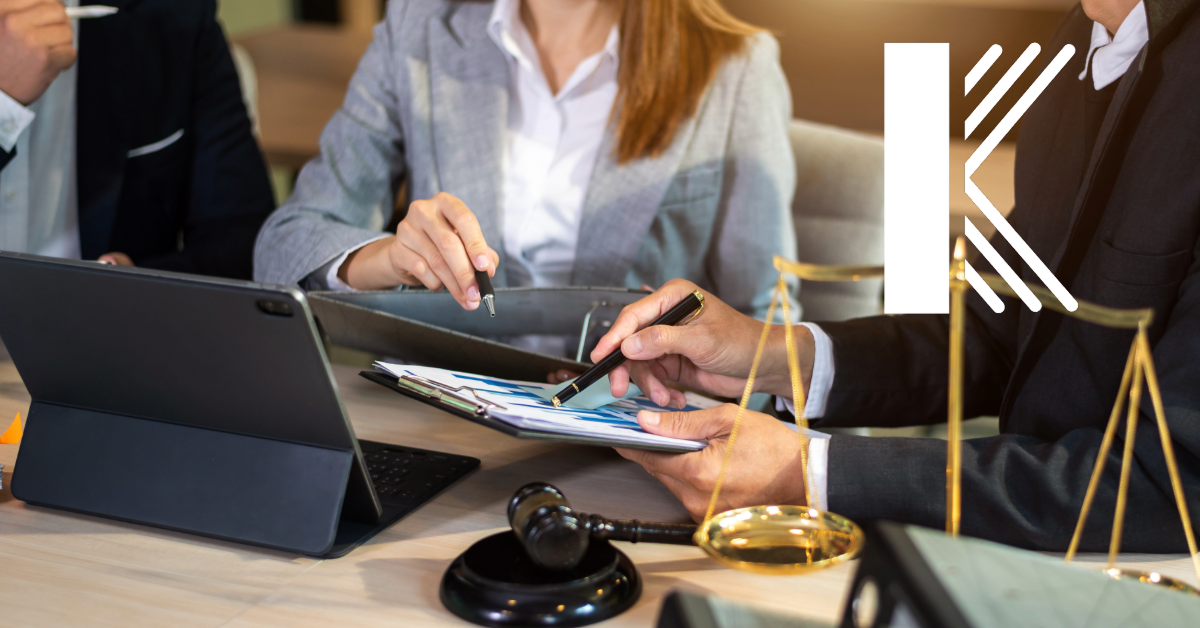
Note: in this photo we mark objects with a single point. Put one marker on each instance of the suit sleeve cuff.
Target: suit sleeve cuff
(14, 119)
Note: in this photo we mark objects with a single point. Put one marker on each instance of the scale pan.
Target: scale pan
(779, 540)
(1154, 578)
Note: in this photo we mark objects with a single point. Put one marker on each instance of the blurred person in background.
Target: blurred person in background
(139, 153)
(549, 143)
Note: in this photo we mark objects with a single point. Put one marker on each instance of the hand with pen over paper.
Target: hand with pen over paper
(36, 44)
(439, 245)
(712, 353)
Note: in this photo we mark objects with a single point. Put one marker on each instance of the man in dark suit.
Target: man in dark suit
(1108, 194)
(142, 152)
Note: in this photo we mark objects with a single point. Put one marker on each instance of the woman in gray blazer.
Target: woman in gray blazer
(594, 143)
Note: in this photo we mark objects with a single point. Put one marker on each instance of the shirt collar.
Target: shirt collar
(501, 26)
(1109, 57)
(506, 29)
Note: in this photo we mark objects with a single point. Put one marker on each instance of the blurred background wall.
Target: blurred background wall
(244, 16)
(832, 50)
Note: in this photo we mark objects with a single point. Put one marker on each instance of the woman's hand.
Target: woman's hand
(438, 245)
(712, 353)
(766, 467)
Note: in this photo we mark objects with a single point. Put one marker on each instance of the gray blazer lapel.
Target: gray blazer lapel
(469, 94)
(621, 203)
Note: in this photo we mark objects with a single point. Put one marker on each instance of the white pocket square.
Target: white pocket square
(157, 146)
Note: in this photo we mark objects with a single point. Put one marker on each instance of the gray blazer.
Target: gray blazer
(429, 103)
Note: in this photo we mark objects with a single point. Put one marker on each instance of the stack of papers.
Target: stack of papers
(521, 404)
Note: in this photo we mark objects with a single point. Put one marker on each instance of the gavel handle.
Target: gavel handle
(636, 531)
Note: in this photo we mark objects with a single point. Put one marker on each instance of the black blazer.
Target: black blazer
(156, 68)
(1119, 227)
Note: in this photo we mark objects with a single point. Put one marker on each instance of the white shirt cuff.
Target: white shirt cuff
(822, 373)
(14, 119)
(822, 377)
(818, 468)
(335, 283)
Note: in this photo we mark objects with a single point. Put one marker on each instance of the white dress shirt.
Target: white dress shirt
(551, 144)
(1109, 57)
(38, 193)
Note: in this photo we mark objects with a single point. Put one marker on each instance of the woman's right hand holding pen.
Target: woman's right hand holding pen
(439, 244)
(712, 353)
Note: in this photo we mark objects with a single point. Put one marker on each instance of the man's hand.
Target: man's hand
(438, 244)
(712, 353)
(36, 44)
(116, 259)
(766, 467)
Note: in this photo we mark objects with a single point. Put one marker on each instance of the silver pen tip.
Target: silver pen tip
(487, 301)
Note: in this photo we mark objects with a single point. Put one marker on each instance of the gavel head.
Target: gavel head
(553, 535)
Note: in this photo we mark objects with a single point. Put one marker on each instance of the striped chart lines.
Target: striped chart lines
(982, 202)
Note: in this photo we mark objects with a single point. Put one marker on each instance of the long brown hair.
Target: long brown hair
(670, 52)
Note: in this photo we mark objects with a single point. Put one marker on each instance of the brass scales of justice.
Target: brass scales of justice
(793, 539)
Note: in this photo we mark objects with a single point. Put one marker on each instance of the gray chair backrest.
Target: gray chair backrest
(838, 211)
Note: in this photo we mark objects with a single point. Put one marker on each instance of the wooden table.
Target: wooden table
(64, 569)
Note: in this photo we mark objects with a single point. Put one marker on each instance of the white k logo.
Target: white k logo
(916, 186)
(1002, 227)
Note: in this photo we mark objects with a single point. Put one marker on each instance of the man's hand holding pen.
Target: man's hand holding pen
(439, 244)
(713, 354)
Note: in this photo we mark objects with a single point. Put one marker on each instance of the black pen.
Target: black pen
(693, 304)
(486, 293)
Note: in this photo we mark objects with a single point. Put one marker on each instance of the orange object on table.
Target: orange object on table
(12, 435)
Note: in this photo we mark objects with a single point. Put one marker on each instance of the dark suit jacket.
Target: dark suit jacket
(155, 68)
(1119, 227)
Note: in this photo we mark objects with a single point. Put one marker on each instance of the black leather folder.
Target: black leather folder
(432, 329)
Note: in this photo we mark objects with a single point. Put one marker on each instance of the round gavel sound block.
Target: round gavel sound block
(494, 583)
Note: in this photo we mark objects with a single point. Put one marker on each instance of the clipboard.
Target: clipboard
(463, 403)
(432, 329)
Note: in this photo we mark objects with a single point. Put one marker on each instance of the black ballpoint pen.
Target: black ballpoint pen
(693, 305)
(486, 293)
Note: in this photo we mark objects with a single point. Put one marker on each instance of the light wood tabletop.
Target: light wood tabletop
(64, 569)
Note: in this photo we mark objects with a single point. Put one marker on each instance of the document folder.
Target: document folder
(467, 404)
